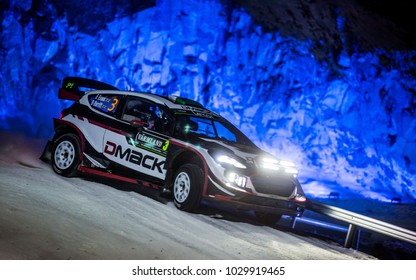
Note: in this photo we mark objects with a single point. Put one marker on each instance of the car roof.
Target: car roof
(173, 102)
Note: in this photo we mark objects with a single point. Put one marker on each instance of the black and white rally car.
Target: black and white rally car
(172, 144)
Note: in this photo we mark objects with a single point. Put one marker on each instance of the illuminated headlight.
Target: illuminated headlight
(236, 179)
(270, 163)
(274, 164)
(287, 163)
(230, 161)
(291, 170)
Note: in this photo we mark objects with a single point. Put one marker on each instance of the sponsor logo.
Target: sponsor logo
(152, 143)
(69, 85)
(199, 112)
(106, 104)
(250, 160)
(135, 157)
(149, 140)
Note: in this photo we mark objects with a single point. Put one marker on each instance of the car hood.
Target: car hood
(245, 153)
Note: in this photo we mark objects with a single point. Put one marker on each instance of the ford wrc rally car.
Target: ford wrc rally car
(171, 144)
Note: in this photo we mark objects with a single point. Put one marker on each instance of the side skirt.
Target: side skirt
(104, 174)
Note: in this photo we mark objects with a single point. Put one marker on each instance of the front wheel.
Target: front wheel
(187, 187)
(66, 155)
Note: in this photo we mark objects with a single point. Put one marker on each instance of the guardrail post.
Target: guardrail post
(357, 240)
(361, 221)
(351, 236)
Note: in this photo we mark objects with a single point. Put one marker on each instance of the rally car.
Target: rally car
(171, 144)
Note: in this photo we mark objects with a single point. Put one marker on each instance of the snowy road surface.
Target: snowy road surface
(46, 216)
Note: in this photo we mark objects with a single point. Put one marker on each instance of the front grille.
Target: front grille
(274, 184)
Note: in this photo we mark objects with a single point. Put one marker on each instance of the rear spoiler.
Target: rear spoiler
(70, 89)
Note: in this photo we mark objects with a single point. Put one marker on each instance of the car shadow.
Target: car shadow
(212, 209)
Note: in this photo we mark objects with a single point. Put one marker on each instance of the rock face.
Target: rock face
(345, 115)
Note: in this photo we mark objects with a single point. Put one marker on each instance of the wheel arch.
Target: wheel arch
(63, 127)
(179, 155)
(66, 155)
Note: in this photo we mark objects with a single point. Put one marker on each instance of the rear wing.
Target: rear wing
(70, 89)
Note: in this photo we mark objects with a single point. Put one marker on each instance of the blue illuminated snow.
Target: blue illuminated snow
(349, 126)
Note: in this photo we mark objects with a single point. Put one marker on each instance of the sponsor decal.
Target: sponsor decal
(199, 112)
(166, 145)
(105, 104)
(150, 142)
(135, 157)
(69, 85)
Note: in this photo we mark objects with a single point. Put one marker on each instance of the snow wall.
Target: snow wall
(348, 124)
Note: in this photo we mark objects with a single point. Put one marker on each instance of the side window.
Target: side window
(106, 103)
(136, 109)
(147, 112)
(203, 126)
(224, 133)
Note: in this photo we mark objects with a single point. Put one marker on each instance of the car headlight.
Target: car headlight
(270, 163)
(237, 179)
(286, 163)
(291, 170)
(283, 165)
(231, 161)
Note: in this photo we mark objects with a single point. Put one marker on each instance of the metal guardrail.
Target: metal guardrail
(357, 221)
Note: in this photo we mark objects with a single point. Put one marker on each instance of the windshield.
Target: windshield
(219, 129)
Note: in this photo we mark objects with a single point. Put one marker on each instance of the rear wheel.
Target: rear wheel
(187, 187)
(66, 155)
(269, 219)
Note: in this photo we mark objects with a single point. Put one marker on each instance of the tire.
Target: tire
(187, 187)
(268, 219)
(66, 155)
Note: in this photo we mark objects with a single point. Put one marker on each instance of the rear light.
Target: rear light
(63, 113)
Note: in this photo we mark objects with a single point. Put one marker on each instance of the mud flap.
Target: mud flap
(47, 152)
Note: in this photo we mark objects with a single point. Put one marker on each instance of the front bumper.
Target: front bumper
(266, 195)
(261, 204)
